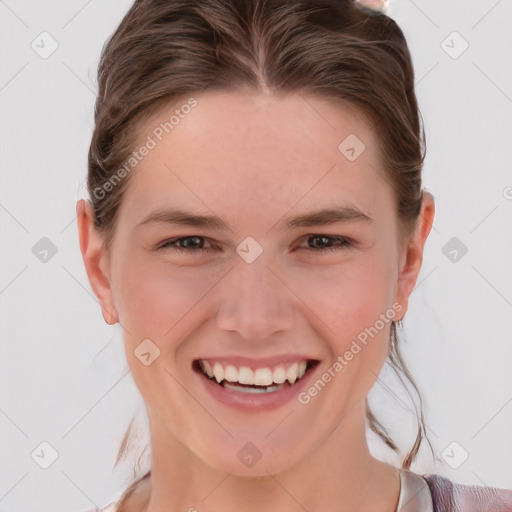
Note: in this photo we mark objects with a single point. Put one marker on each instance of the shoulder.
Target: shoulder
(111, 507)
(448, 496)
(134, 499)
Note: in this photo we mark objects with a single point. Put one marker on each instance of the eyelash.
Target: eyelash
(169, 244)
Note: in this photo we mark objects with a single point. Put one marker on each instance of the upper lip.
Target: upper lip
(261, 362)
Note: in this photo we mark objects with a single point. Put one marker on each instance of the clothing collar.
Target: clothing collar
(415, 495)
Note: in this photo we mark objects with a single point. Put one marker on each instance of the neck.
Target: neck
(340, 475)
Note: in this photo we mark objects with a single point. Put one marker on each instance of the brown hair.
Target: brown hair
(164, 50)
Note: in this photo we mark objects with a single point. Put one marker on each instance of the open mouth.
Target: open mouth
(254, 380)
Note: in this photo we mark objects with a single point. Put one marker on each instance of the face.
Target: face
(251, 246)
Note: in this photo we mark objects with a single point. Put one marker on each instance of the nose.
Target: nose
(255, 301)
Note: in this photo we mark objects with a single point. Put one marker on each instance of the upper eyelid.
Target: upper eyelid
(170, 241)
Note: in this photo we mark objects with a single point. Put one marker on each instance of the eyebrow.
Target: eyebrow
(321, 217)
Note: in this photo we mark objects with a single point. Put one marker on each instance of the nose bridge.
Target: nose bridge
(254, 301)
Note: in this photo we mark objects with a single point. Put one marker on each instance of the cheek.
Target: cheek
(348, 297)
(153, 298)
(354, 302)
(157, 300)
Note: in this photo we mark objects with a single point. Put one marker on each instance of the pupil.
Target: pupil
(196, 241)
(325, 240)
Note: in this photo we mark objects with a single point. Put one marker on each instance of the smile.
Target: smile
(246, 379)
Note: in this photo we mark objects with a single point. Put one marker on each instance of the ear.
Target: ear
(411, 256)
(96, 260)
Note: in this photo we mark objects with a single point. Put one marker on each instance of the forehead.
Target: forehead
(240, 149)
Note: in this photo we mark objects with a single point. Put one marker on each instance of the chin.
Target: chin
(241, 457)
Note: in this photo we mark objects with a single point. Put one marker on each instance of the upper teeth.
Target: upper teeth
(259, 377)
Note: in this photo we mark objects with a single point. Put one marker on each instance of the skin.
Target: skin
(253, 159)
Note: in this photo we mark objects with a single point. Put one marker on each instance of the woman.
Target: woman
(256, 225)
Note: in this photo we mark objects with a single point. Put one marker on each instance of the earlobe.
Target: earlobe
(411, 258)
(109, 318)
(95, 258)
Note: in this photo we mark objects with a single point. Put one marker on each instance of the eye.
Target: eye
(327, 243)
(195, 244)
(185, 244)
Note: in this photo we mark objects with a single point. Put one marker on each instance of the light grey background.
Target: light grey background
(458, 329)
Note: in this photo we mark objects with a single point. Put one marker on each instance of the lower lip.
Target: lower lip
(254, 402)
